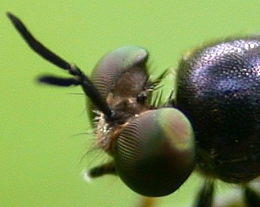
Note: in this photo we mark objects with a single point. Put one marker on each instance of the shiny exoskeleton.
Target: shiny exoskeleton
(218, 88)
(212, 123)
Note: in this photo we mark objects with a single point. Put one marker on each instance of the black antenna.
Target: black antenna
(79, 77)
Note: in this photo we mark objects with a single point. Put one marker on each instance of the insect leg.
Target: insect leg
(107, 168)
(252, 199)
(205, 196)
(147, 202)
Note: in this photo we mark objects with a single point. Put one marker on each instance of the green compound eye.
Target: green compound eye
(217, 87)
(110, 69)
(115, 63)
(155, 153)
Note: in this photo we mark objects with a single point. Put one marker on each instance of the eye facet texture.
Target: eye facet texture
(112, 67)
(114, 64)
(155, 153)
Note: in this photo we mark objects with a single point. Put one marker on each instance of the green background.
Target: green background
(39, 154)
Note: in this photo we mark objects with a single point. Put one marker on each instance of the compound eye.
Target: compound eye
(155, 153)
(111, 67)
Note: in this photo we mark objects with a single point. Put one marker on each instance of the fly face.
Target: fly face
(152, 147)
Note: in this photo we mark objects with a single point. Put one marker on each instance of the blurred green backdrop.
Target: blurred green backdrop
(38, 152)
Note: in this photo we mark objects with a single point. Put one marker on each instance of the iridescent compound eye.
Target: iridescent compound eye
(151, 147)
(114, 64)
(155, 153)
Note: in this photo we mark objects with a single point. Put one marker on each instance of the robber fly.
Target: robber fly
(211, 124)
